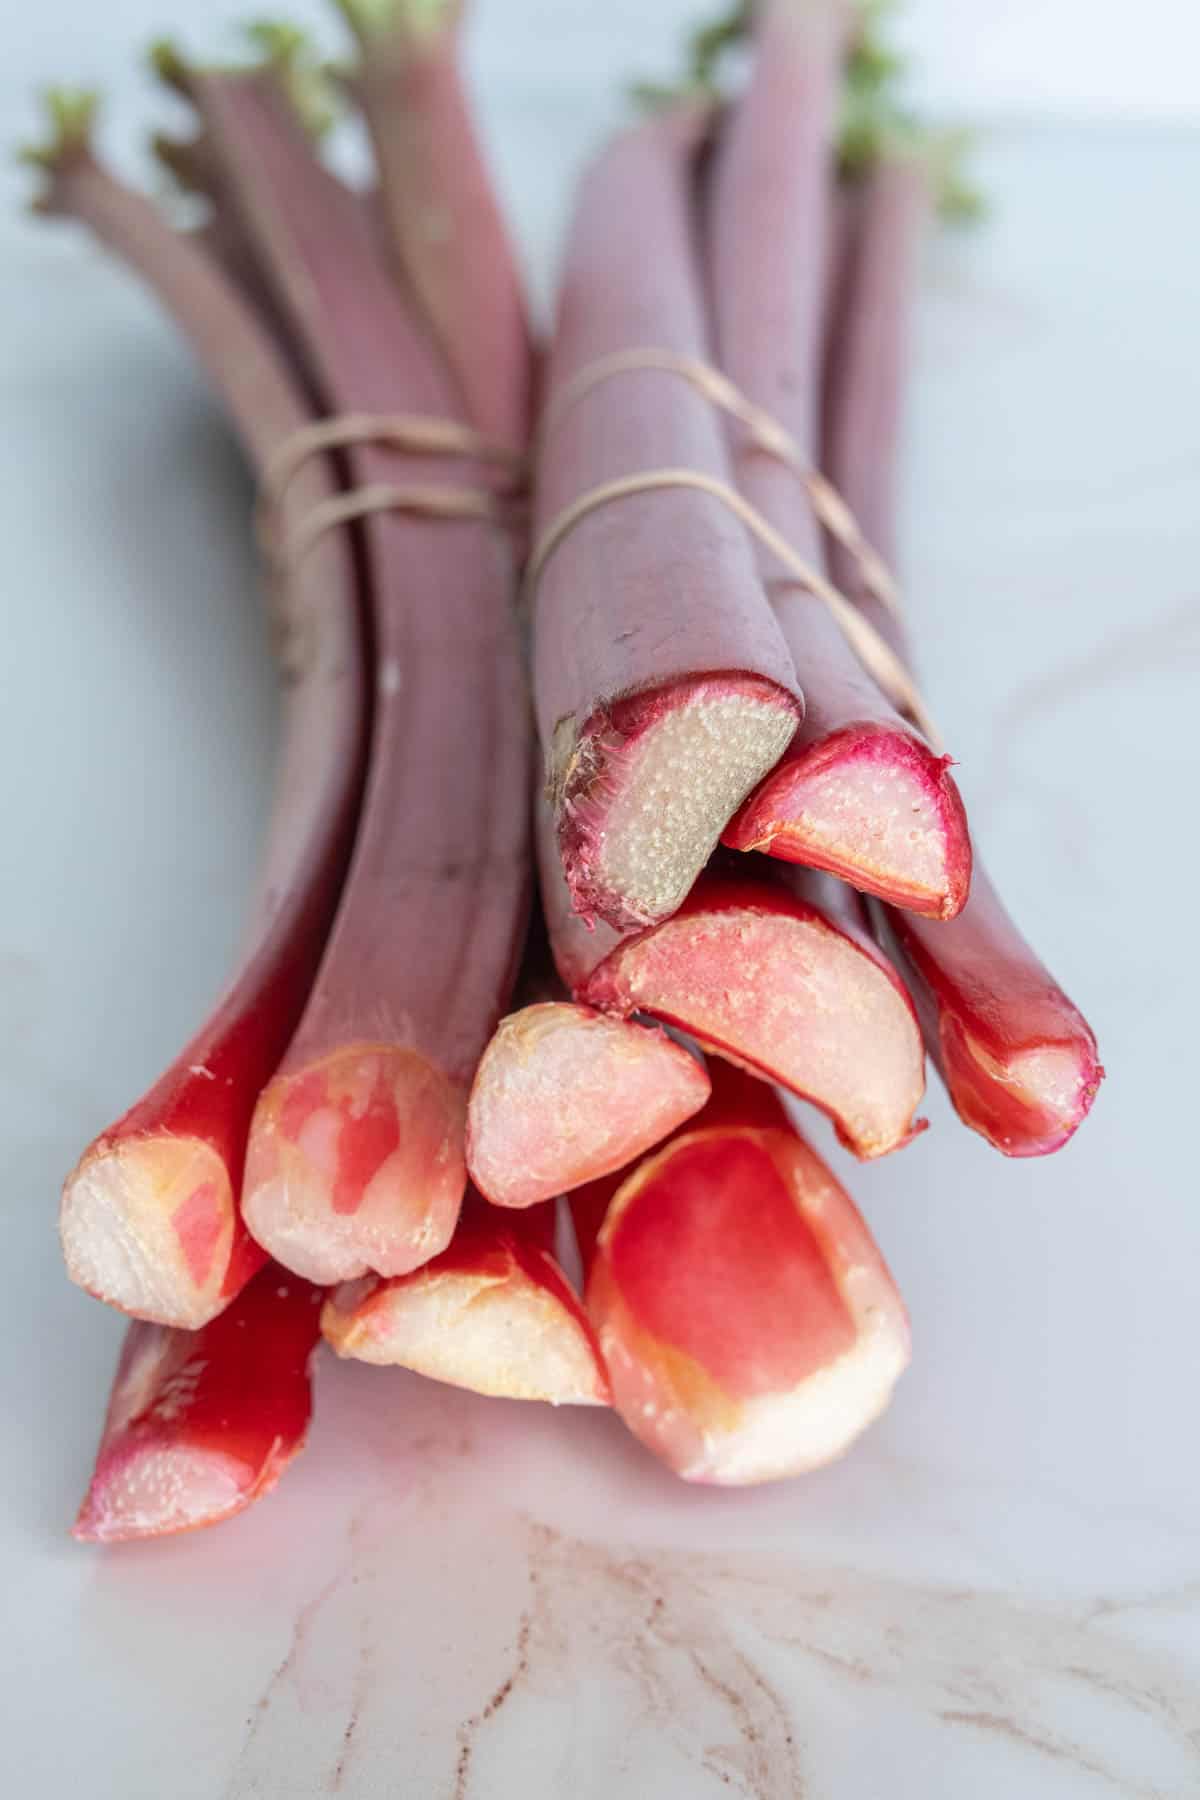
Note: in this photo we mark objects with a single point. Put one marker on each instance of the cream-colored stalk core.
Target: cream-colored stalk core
(682, 780)
(147, 1224)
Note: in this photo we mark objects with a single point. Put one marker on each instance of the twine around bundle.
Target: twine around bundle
(767, 434)
(420, 434)
(417, 434)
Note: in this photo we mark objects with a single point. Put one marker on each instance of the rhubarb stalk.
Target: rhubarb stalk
(356, 1158)
(860, 793)
(777, 974)
(494, 1313)
(444, 227)
(664, 690)
(201, 1424)
(149, 1217)
(749, 1324)
(1018, 1059)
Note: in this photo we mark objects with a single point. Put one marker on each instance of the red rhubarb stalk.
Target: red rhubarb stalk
(777, 974)
(356, 1158)
(203, 1423)
(149, 1216)
(664, 690)
(494, 1313)
(860, 792)
(749, 1324)
(445, 230)
(1018, 1058)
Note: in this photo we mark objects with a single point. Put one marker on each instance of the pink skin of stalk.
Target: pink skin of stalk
(750, 1326)
(445, 229)
(357, 1153)
(149, 1218)
(203, 1423)
(860, 793)
(493, 1313)
(776, 975)
(1017, 1057)
(663, 687)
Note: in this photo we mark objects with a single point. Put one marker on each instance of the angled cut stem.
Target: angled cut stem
(356, 1159)
(1018, 1059)
(664, 690)
(150, 1220)
(493, 1312)
(750, 1327)
(776, 974)
(860, 793)
(201, 1424)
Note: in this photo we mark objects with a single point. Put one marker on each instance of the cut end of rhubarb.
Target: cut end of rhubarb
(643, 795)
(565, 1094)
(201, 1424)
(166, 1488)
(774, 986)
(355, 1164)
(1027, 1104)
(506, 1325)
(876, 807)
(750, 1327)
(148, 1225)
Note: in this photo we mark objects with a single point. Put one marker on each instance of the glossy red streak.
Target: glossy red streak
(713, 1258)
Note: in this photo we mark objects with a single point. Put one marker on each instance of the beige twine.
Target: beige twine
(872, 649)
(414, 433)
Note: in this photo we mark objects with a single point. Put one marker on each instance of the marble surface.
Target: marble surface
(997, 1595)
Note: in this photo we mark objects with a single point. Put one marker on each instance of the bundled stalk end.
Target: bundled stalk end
(70, 116)
(750, 1327)
(203, 1423)
(168, 64)
(355, 1164)
(564, 1095)
(821, 808)
(405, 21)
(874, 123)
(288, 53)
(149, 1225)
(277, 48)
(494, 1313)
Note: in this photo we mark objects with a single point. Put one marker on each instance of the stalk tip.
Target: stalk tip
(70, 115)
(288, 52)
(411, 20)
(168, 63)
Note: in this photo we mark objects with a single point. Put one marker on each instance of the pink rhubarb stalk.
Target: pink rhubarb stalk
(494, 1313)
(149, 1216)
(749, 1324)
(356, 1157)
(776, 974)
(1018, 1058)
(664, 690)
(203, 1423)
(445, 229)
(860, 792)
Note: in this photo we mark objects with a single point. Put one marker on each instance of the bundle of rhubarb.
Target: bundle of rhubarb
(422, 1100)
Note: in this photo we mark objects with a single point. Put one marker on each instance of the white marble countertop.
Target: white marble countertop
(997, 1595)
